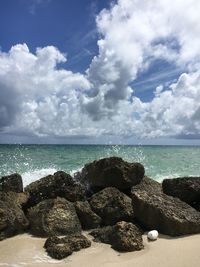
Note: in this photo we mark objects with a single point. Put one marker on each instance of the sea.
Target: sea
(36, 161)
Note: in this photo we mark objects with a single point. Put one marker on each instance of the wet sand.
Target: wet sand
(25, 250)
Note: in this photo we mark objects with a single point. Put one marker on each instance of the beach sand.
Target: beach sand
(25, 250)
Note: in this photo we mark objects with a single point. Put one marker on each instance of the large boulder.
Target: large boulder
(53, 217)
(111, 172)
(11, 182)
(12, 218)
(156, 210)
(123, 236)
(112, 206)
(87, 217)
(185, 188)
(60, 248)
(60, 184)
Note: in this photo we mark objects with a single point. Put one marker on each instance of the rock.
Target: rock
(123, 236)
(148, 184)
(87, 217)
(111, 172)
(186, 188)
(59, 248)
(102, 234)
(53, 217)
(19, 199)
(112, 206)
(11, 182)
(12, 218)
(60, 184)
(152, 235)
(170, 216)
(126, 237)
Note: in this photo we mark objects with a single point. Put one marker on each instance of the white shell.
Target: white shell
(152, 235)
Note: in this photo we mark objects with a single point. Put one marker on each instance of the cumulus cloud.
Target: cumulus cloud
(35, 95)
(38, 97)
(133, 35)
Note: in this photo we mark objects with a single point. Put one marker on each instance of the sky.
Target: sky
(100, 71)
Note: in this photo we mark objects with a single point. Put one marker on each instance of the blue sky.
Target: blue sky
(98, 64)
(68, 25)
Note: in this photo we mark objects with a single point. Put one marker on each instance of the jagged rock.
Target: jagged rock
(186, 188)
(59, 248)
(103, 234)
(60, 184)
(112, 206)
(148, 184)
(53, 217)
(110, 172)
(19, 199)
(156, 210)
(11, 182)
(87, 217)
(123, 236)
(12, 218)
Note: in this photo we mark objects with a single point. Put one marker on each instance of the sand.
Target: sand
(24, 250)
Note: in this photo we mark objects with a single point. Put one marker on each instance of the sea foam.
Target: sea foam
(31, 176)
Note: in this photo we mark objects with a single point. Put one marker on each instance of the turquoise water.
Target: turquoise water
(35, 161)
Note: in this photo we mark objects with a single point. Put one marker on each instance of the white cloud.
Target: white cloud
(37, 97)
(133, 34)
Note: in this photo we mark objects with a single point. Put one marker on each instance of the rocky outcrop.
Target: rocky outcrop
(12, 218)
(186, 188)
(170, 216)
(60, 184)
(123, 236)
(53, 217)
(11, 182)
(87, 217)
(112, 206)
(60, 248)
(112, 172)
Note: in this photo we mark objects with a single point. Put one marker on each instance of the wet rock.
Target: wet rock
(53, 217)
(59, 248)
(87, 217)
(12, 217)
(171, 216)
(112, 206)
(60, 184)
(11, 182)
(123, 236)
(111, 172)
(186, 188)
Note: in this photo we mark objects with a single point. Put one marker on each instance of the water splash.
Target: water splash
(33, 175)
(128, 153)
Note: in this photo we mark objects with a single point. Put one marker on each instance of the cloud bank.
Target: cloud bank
(39, 98)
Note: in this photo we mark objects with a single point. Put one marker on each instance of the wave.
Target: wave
(33, 175)
(160, 177)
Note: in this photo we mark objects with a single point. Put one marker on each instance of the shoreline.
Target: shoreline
(113, 199)
(26, 250)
